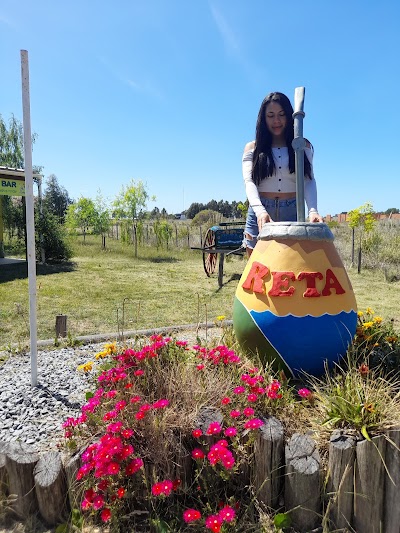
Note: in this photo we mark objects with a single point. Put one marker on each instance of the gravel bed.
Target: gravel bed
(34, 415)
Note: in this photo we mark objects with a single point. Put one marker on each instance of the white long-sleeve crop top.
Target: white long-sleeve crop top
(281, 181)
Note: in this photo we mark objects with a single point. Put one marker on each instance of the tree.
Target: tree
(101, 222)
(130, 203)
(11, 155)
(363, 218)
(56, 198)
(392, 210)
(81, 214)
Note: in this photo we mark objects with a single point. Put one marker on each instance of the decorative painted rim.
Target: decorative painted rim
(312, 231)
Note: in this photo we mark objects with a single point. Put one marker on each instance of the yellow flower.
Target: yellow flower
(220, 318)
(110, 347)
(378, 319)
(86, 367)
(101, 355)
(360, 314)
(369, 311)
(368, 325)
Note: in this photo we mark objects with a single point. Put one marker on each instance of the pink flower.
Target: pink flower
(252, 397)
(214, 428)
(98, 502)
(139, 372)
(156, 489)
(197, 453)
(140, 415)
(197, 433)
(200, 367)
(134, 466)
(167, 487)
(120, 405)
(120, 492)
(304, 393)
(135, 399)
(248, 411)
(235, 413)
(162, 488)
(227, 514)
(230, 432)
(225, 401)
(213, 522)
(239, 390)
(113, 469)
(126, 433)
(160, 404)
(85, 505)
(254, 423)
(105, 515)
(191, 515)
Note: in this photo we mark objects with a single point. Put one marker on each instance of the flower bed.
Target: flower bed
(176, 437)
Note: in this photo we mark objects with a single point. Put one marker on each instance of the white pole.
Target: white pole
(30, 218)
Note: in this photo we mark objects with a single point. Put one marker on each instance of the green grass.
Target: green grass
(104, 291)
(100, 287)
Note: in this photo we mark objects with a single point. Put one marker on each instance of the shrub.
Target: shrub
(52, 236)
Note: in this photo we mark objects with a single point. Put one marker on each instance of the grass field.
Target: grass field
(104, 291)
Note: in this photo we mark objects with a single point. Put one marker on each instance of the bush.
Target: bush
(52, 237)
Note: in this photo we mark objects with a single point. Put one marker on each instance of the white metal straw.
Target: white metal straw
(298, 144)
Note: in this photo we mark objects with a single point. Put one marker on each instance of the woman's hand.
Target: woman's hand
(314, 216)
(263, 219)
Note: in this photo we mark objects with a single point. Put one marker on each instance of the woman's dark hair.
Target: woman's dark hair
(263, 161)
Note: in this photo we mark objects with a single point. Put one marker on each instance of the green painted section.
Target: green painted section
(252, 341)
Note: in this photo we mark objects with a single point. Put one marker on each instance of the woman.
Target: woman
(269, 170)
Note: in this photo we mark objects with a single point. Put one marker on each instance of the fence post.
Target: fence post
(302, 482)
(61, 326)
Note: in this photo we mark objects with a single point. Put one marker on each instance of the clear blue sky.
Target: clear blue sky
(168, 91)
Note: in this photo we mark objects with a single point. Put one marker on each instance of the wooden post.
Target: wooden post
(221, 270)
(268, 459)
(391, 513)
(20, 462)
(51, 487)
(369, 484)
(201, 237)
(188, 237)
(61, 326)
(340, 486)
(75, 488)
(3, 475)
(302, 482)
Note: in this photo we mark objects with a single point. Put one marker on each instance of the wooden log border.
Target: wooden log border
(361, 493)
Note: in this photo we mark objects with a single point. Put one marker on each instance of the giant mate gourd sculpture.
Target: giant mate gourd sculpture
(294, 305)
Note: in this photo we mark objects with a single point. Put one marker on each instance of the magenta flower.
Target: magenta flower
(213, 522)
(253, 423)
(304, 393)
(235, 413)
(225, 400)
(239, 390)
(197, 433)
(227, 514)
(230, 432)
(191, 515)
(214, 428)
(198, 453)
(248, 411)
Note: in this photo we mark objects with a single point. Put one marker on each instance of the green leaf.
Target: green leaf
(282, 520)
(62, 528)
(364, 433)
(89, 395)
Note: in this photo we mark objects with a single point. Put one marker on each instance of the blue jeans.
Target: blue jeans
(278, 210)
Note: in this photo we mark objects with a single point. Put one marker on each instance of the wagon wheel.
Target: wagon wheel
(209, 259)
